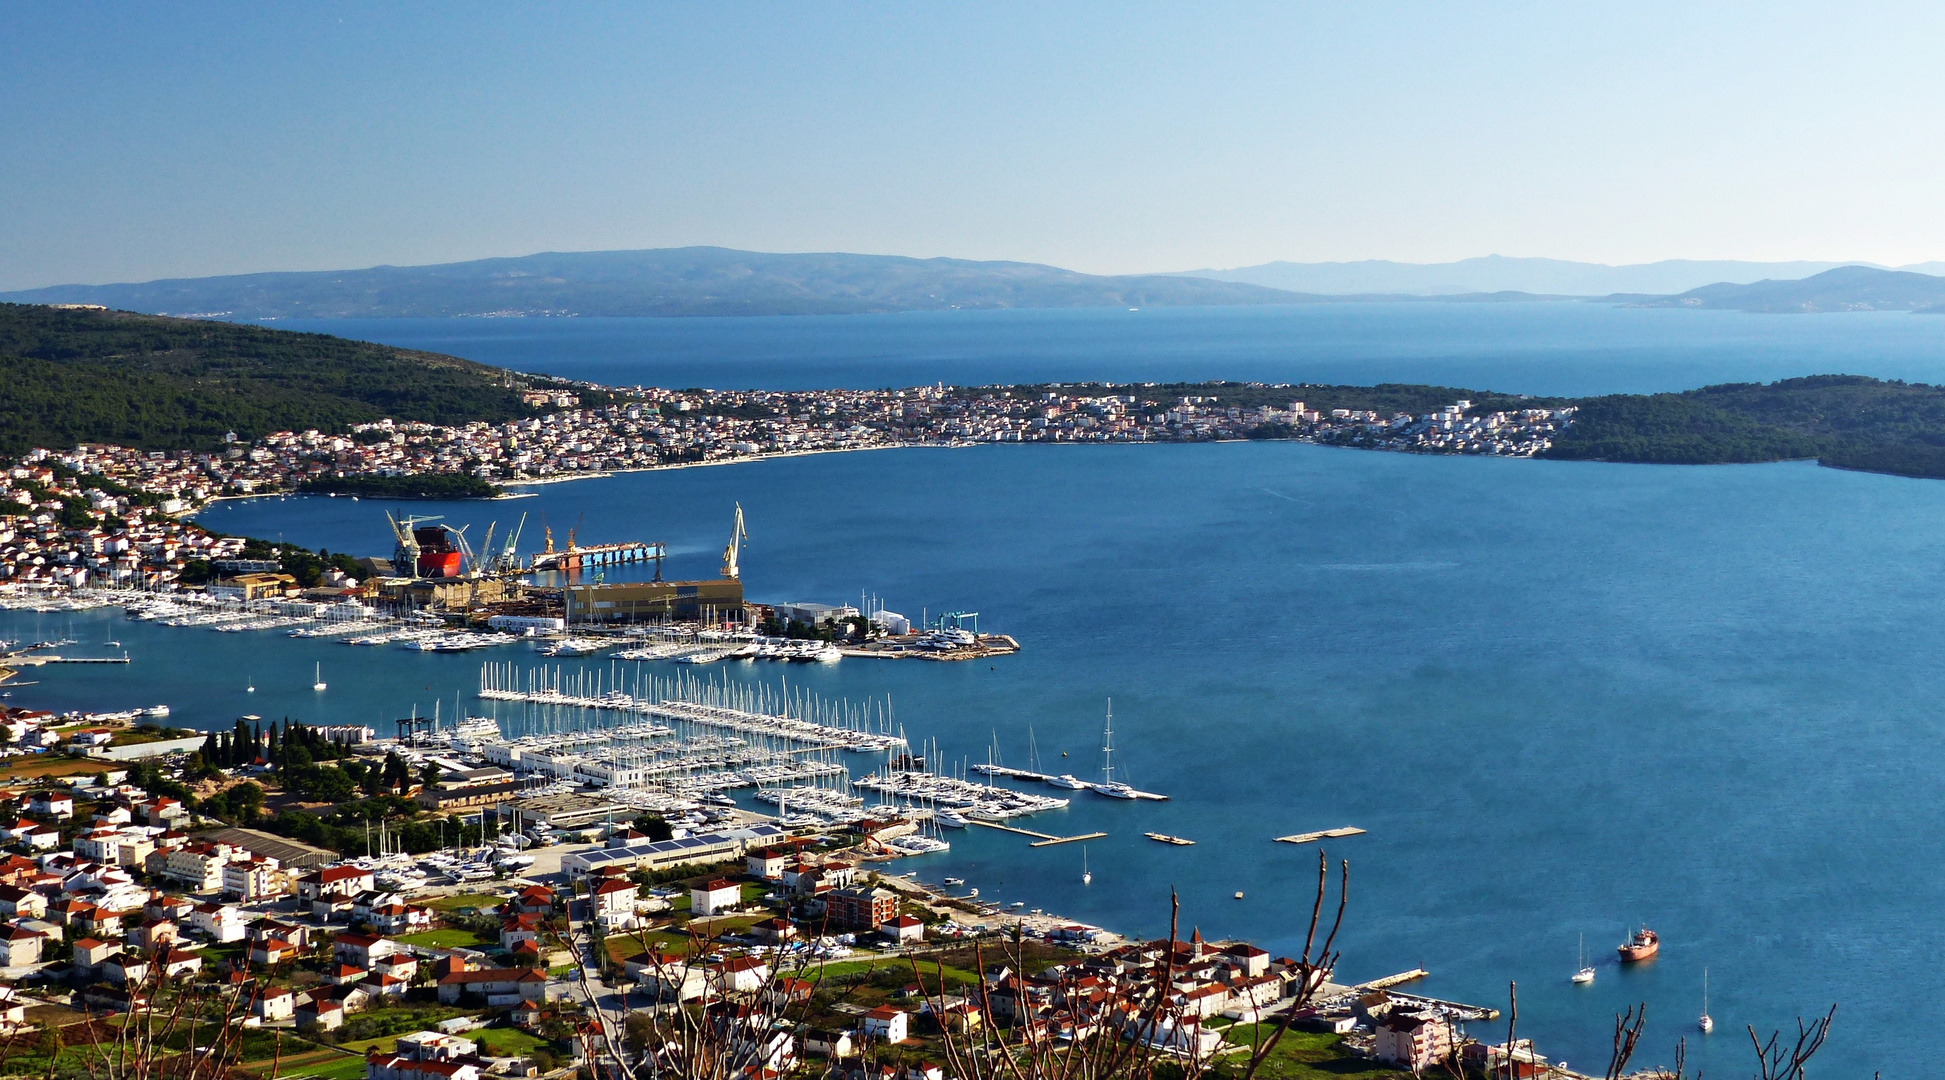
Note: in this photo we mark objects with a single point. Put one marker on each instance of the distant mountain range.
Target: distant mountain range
(665, 281)
(1499, 273)
(720, 281)
(1847, 288)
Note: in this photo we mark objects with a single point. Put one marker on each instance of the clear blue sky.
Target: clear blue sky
(152, 140)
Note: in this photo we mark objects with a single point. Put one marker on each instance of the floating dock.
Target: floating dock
(1042, 839)
(1313, 837)
(574, 558)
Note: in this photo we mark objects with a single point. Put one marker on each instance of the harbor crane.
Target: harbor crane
(405, 556)
(733, 553)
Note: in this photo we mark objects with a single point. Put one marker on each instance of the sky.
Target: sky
(140, 141)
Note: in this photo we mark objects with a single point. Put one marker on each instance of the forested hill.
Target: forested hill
(70, 376)
(662, 281)
(1844, 421)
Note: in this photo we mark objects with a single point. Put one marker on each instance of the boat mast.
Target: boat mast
(1107, 747)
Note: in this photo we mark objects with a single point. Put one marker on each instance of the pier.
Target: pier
(1325, 834)
(1390, 981)
(1040, 839)
(710, 706)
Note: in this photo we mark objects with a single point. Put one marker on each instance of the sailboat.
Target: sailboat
(317, 674)
(1109, 786)
(1707, 1022)
(1087, 876)
(249, 686)
(1585, 973)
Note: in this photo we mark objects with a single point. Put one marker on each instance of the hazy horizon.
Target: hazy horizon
(201, 139)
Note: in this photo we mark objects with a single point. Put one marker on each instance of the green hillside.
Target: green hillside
(69, 376)
(1844, 421)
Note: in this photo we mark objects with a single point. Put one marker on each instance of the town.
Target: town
(97, 513)
(477, 928)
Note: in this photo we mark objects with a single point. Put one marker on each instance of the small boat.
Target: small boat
(1087, 876)
(317, 674)
(250, 686)
(1167, 839)
(1017, 904)
(953, 882)
(1644, 944)
(1585, 973)
(1239, 894)
(1707, 1022)
(972, 893)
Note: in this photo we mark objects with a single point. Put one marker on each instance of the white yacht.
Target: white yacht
(951, 819)
(1585, 973)
(1067, 781)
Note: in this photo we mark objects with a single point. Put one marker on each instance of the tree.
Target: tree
(653, 827)
(398, 775)
(429, 774)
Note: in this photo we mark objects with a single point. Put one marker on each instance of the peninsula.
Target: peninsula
(113, 425)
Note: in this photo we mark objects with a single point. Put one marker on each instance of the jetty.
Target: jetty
(1390, 981)
(1324, 834)
(1041, 839)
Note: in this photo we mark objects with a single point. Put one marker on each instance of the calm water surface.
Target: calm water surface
(1560, 696)
(1531, 348)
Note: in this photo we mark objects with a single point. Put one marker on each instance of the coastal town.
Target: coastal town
(485, 930)
(101, 513)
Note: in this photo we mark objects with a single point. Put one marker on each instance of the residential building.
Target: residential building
(861, 908)
(715, 897)
(20, 947)
(1415, 1040)
(885, 1024)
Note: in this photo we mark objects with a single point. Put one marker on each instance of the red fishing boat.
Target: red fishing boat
(1642, 945)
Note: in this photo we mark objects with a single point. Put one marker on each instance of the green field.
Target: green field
(1301, 1055)
(446, 939)
(505, 1042)
(340, 1067)
(463, 900)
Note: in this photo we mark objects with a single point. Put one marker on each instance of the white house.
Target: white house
(51, 804)
(19, 903)
(20, 947)
(274, 1005)
(220, 923)
(614, 904)
(361, 950)
(715, 897)
(902, 928)
(885, 1024)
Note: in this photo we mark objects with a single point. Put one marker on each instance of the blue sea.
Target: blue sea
(1562, 697)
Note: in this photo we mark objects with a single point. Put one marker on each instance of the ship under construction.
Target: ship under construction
(434, 567)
